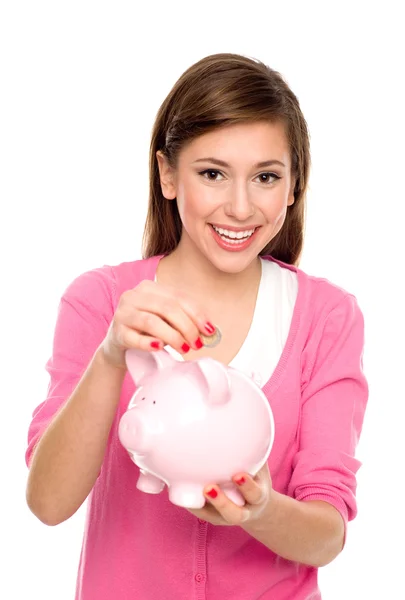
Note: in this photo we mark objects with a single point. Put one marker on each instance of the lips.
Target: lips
(232, 244)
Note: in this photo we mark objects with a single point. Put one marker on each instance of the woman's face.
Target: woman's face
(230, 210)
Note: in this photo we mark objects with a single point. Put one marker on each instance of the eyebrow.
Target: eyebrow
(221, 163)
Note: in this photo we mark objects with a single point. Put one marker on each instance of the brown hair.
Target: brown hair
(219, 90)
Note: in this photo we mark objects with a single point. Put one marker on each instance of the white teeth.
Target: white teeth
(234, 235)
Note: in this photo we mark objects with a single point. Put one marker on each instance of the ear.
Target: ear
(141, 363)
(291, 198)
(216, 380)
(167, 177)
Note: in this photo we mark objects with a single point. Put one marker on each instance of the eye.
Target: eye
(154, 402)
(273, 175)
(210, 171)
(143, 398)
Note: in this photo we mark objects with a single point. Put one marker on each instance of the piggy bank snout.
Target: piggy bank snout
(131, 432)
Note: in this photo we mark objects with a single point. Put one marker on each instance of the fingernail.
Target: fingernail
(155, 345)
(212, 493)
(198, 344)
(240, 480)
(185, 347)
(210, 328)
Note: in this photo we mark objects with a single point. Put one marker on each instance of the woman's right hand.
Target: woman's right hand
(153, 315)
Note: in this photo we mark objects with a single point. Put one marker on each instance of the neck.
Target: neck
(200, 278)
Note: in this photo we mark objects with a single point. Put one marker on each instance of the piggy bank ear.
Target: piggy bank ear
(141, 363)
(217, 382)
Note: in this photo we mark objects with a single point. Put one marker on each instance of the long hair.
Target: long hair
(219, 90)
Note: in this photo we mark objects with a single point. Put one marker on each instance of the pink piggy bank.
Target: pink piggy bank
(192, 423)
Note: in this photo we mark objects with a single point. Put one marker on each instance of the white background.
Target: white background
(80, 86)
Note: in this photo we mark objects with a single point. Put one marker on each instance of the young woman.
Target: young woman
(229, 166)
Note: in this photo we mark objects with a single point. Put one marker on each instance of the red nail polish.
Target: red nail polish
(210, 328)
(198, 344)
(240, 480)
(155, 345)
(212, 493)
(185, 347)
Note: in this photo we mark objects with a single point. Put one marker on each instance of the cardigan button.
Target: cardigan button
(199, 577)
(202, 521)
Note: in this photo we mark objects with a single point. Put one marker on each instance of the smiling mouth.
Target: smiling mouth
(234, 237)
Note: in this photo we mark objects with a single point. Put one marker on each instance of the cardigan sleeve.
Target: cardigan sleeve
(84, 313)
(334, 396)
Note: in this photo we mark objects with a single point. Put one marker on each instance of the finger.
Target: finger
(230, 512)
(154, 326)
(253, 492)
(178, 309)
(197, 315)
(165, 318)
(129, 338)
(208, 514)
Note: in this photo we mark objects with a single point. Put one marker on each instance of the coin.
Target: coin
(210, 341)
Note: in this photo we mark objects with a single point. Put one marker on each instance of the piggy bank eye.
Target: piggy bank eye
(154, 402)
(142, 398)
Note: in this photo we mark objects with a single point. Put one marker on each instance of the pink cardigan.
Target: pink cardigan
(140, 546)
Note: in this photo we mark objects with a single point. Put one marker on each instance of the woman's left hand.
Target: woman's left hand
(220, 510)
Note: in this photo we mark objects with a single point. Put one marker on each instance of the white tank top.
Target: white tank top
(264, 343)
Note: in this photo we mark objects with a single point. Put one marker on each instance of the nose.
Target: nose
(240, 205)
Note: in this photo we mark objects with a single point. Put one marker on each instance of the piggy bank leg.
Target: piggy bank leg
(231, 491)
(149, 483)
(187, 495)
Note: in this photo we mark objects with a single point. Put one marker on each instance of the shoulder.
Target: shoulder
(316, 290)
(329, 323)
(322, 306)
(106, 283)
